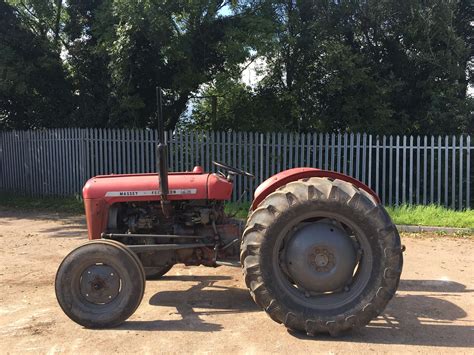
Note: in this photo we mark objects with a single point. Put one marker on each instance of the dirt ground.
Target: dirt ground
(204, 310)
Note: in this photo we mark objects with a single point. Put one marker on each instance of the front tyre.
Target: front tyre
(100, 284)
(321, 256)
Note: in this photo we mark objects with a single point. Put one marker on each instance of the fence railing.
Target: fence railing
(401, 169)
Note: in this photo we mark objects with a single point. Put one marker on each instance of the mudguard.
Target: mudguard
(286, 176)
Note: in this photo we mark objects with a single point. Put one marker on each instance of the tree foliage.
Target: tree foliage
(116, 52)
(34, 91)
(376, 66)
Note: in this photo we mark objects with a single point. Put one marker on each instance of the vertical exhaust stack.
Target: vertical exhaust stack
(162, 155)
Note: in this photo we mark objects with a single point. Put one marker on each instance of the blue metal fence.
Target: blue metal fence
(401, 169)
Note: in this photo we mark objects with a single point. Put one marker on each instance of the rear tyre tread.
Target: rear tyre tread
(329, 190)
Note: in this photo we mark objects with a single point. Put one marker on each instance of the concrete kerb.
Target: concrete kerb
(420, 229)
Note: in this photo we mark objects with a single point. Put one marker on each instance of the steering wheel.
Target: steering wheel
(233, 171)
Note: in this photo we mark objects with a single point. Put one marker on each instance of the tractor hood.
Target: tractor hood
(146, 187)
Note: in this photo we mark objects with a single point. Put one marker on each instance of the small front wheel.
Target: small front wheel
(100, 284)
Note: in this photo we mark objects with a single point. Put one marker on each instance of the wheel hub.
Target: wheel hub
(100, 284)
(320, 257)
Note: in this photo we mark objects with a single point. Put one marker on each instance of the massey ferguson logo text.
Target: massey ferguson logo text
(150, 192)
(128, 193)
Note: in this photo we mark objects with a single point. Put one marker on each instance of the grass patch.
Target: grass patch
(459, 235)
(411, 215)
(72, 204)
(432, 215)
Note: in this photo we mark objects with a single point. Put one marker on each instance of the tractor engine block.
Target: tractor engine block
(204, 219)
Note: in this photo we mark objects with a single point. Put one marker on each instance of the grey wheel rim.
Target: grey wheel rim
(321, 283)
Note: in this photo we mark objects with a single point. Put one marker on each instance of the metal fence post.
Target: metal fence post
(468, 172)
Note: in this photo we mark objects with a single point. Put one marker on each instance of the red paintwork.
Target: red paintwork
(97, 203)
(206, 186)
(97, 212)
(286, 176)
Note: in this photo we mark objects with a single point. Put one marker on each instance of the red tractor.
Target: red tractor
(319, 252)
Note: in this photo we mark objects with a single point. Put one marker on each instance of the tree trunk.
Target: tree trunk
(57, 24)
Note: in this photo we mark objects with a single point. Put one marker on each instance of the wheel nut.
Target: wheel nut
(321, 260)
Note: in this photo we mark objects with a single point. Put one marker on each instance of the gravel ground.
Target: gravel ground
(203, 310)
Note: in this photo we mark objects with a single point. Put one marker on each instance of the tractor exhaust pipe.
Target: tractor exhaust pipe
(162, 156)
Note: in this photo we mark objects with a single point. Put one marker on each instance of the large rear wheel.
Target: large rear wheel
(321, 255)
(100, 284)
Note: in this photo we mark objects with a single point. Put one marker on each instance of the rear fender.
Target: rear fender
(286, 176)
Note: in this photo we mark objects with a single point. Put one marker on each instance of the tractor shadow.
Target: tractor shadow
(72, 227)
(73, 231)
(411, 318)
(417, 319)
(206, 297)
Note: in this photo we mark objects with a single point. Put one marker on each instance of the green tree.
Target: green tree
(176, 45)
(44, 18)
(376, 66)
(34, 91)
(116, 52)
(237, 108)
(87, 61)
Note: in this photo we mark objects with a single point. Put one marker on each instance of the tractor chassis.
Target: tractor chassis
(138, 248)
